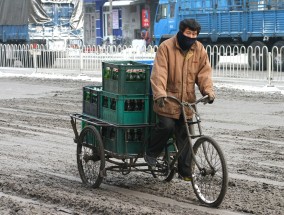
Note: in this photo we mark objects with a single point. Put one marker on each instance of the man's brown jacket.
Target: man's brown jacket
(175, 73)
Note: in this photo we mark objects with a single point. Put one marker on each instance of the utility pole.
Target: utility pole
(110, 22)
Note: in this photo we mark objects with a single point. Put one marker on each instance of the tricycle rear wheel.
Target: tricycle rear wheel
(162, 170)
(91, 157)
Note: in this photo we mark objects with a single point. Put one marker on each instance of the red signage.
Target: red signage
(145, 18)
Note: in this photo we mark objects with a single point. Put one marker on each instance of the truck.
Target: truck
(254, 24)
(49, 24)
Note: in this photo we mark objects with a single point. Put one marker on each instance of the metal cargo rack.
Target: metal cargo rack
(94, 142)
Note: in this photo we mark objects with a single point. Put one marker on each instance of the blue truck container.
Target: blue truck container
(255, 23)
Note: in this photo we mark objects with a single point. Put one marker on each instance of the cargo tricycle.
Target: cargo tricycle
(104, 146)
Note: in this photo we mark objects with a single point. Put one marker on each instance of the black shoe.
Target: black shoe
(151, 161)
(185, 178)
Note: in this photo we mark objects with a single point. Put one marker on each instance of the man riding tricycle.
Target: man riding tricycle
(123, 128)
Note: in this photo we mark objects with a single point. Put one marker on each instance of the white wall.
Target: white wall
(130, 21)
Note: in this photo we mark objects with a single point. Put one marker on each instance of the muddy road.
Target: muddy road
(38, 170)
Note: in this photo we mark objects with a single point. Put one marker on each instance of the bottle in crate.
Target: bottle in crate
(107, 72)
(113, 104)
(136, 107)
(86, 95)
(129, 135)
(105, 101)
(115, 73)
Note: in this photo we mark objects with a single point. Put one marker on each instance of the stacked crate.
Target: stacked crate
(125, 92)
(123, 100)
(92, 100)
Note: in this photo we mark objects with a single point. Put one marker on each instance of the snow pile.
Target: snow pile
(82, 77)
(264, 89)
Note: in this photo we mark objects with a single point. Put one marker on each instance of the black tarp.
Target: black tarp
(14, 12)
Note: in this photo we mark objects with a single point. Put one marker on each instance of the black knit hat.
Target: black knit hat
(192, 24)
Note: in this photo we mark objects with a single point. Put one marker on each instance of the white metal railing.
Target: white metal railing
(234, 62)
(247, 63)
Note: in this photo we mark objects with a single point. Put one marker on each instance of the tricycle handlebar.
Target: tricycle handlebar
(203, 99)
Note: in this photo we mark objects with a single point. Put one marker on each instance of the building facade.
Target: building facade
(130, 20)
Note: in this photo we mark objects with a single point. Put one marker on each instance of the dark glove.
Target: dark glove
(161, 102)
(209, 99)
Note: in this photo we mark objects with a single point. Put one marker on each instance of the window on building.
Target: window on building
(90, 24)
(90, 8)
(133, 8)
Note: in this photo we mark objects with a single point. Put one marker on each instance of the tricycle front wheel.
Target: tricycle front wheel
(211, 181)
(91, 157)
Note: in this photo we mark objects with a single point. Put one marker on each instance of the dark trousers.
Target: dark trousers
(165, 129)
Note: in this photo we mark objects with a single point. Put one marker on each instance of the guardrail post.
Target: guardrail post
(269, 57)
(34, 60)
(81, 60)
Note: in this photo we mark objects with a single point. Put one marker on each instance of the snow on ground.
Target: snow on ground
(82, 76)
(246, 85)
(264, 89)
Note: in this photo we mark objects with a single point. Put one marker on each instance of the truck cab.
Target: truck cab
(166, 21)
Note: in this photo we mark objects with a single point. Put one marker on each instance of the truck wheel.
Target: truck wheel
(278, 56)
(257, 56)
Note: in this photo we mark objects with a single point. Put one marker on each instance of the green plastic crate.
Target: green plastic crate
(125, 142)
(92, 100)
(125, 109)
(126, 77)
